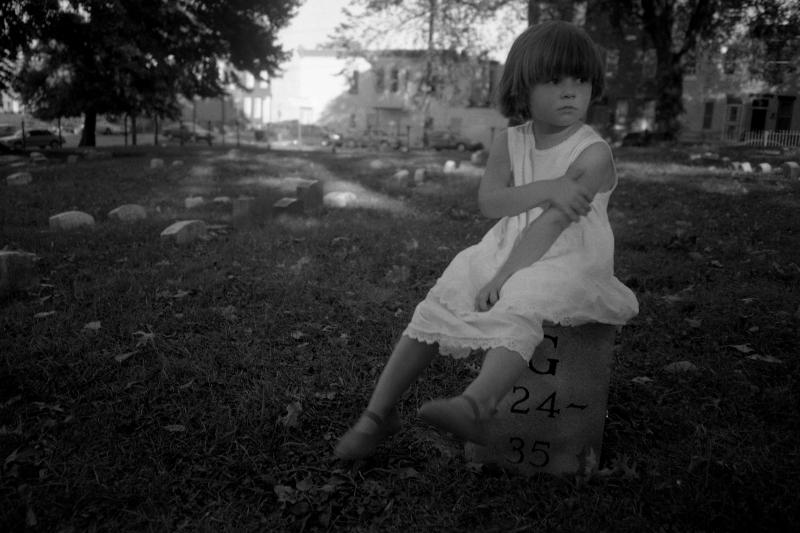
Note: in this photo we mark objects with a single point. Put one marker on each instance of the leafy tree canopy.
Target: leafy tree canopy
(134, 56)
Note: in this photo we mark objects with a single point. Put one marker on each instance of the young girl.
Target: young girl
(548, 260)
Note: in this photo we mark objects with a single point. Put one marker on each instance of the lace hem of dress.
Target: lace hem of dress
(460, 347)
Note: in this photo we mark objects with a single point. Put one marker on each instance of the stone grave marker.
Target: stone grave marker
(38, 157)
(553, 418)
(19, 178)
(193, 201)
(97, 154)
(128, 213)
(420, 175)
(177, 163)
(479, 158)
(747, 167)
(222, 200)
(736, 165)
(288, 206)
(156, 162)
(243, 206)
(765, 168)
(791, 170)
(310, 194)
(71, 220)
(184, 231)
(340, 199)
(450, 167)
(17, 272)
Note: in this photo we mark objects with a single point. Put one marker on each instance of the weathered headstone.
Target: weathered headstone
(71, 220)
(221, 200)
(479, 158)
(184, 231)
(747, 167)
(553, 418)
(243, 206)
(340, 199)
(791, 170)
(128, 213)
(310, 194)
(736, 165)
(19, 178)
(764, 168)
(193, 201)
(378, 164)
(450, 167)
(17, 271)
(156, 162)
(177, 163)
(288, 206)
(420, 175)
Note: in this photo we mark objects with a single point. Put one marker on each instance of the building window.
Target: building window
(354, 82)
(249, 80)
(733, 113)
(248, 106)
(395, 80)
(708, 115)
(380, 82)
(612, 62)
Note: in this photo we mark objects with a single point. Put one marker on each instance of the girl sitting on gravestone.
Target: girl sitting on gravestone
(549, 259)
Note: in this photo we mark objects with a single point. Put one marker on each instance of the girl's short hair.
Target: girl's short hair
(547, 51)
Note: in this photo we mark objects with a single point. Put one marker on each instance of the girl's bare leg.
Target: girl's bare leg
(409, 358)
(501, 369)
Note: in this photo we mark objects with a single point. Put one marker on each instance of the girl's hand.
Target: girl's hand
(489, 294)
(569, 196)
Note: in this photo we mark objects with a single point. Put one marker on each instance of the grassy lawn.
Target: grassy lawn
(150, 387)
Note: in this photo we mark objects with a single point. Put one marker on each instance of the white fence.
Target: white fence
(764, 138)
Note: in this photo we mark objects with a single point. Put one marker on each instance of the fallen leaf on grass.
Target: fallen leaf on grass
(680, 366)
(292, 417)
(123, 356)
(742, 348)
(765, 358)
(175, 428)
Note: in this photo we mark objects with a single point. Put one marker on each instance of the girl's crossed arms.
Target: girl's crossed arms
(564, 200)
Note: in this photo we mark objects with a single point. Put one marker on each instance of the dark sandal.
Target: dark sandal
(356, 445)
(447, 415)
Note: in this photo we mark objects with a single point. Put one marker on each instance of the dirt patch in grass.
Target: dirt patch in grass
(146, 386)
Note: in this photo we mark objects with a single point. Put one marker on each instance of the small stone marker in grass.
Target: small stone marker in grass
(19, 178)
(156, 162)
(340, 199)
(288, 206)
(177, 163)
(243, 206)
(185, 231)
(17, 272)
(193, 201)
(128, 213)
(420, 175)
(736, 165)
(71, 220)
(553, 418)
(747, 167)
(791, 170)
(310, 194)
(764, 168)
(450, 167)
(222, 200)
(97, 154)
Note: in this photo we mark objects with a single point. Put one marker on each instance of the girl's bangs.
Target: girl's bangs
(565, 53)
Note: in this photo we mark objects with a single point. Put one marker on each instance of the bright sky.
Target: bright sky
(315, 20)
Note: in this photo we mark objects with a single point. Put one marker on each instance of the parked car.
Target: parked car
(447, 140)
(375, 140)
(36, 138)
(188, 132)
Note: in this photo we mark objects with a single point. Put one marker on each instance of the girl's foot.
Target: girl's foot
(459, 416)
(361, 440)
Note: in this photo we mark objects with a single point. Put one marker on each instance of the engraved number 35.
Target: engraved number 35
(539, 457)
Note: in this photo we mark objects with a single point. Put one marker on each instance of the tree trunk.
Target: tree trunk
(88, 133)
(133, 130)
(669, 105)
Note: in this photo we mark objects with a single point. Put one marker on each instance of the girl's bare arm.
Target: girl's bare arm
(498, 197)
(595, 169)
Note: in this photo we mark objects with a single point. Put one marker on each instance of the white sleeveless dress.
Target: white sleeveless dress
(572, 284)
